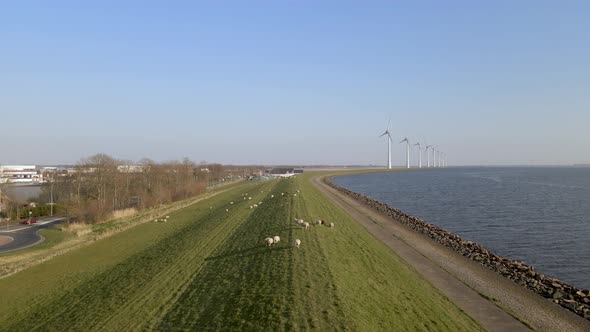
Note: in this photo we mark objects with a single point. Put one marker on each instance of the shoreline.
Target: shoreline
(519, 274)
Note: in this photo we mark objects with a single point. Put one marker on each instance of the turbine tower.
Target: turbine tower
(407, 151)
(428, 154)
(419, 155)
(388, 146)
(438, 158)
(434, 155)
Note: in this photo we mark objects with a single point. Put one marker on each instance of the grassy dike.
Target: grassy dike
(208, 269)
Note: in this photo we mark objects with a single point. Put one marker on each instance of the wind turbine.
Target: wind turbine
(407, 151)
(428, 154)
(419, 155)
(388, 145)
(434, 152)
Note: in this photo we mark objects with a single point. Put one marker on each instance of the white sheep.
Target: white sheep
(297, 243)
(167, 217)
(251, 206)
(300, 221)
(306, 225)
(298, 190)
(226, 210)
(294, 194)
(276, 239)
(231, 203)
(320, 222)
(255, 205)
(268, 241)
(331, 225)
(272, 196)
(249, 198)
(259, 203)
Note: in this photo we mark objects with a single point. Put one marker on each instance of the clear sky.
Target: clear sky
(294, 82)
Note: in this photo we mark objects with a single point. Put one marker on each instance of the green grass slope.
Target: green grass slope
(207, 269)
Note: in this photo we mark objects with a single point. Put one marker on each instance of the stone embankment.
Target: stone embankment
(569, 297)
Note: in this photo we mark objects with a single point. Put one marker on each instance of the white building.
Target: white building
(20, 174)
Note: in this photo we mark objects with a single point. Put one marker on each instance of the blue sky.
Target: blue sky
(294, 82)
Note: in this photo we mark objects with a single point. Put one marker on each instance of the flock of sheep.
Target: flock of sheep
(165, 219)
(270, 241)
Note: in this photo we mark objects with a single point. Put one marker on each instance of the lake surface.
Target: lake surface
(22, 192)
(540, 215)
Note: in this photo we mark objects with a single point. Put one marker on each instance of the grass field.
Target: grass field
(207, 269)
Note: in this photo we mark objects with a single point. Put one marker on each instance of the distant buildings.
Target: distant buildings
(20, 174)
(284, 172)
(31, 174)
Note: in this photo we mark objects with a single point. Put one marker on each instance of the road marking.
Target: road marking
(39, 223)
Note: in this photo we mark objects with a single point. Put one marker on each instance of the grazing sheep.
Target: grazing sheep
(331, 225)
(276, 239)
(306, 225)
(294, 194)
(282, 194)
(226, 210)
(251, 206)
(255, 205)
(297, 243)
(320, 222)
(300, 221)
(231, 203)
(272, 196)
(167, 217)
(268, 241)
(259, 203)
(249, 198)
(298, 190)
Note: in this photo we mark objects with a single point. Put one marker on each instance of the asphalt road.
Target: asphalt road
(25, 235)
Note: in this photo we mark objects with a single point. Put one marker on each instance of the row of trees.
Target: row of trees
(100, 185)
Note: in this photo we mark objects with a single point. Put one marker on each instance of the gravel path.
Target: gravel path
(461, 279)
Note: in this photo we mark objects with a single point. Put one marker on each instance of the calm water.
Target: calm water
(20, 192)
(540, 215)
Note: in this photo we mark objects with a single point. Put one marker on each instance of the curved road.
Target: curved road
(24, 236)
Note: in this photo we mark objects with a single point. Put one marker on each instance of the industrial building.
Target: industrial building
(27, 174)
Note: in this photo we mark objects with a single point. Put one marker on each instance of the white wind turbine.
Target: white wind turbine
(434, 152)
(428, 154)
(388, 145)
(419, 155)
(407, 151)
